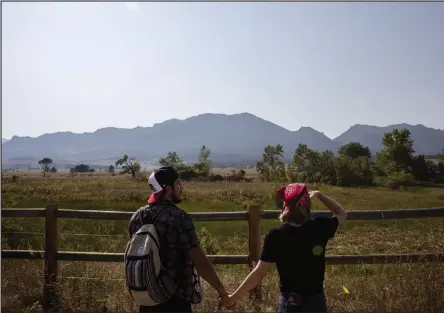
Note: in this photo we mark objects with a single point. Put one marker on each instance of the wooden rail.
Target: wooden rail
(231, 259)
(372, 215)
(119, 215)
(227, 216)
(106, 257)
(254, 215)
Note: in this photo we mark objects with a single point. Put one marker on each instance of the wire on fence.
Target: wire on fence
(124, 236)
(62, 234)
(65, 277)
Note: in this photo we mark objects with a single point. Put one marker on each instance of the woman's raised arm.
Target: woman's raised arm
(331, 204)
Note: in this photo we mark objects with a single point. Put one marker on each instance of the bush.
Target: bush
(216, 177)
(140, 177)
(236, 175)
(187, 173)
(397, 180)
(353, 172)
(292, 174)
(208, 242)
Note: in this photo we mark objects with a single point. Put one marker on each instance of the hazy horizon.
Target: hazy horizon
(199, 114)
(83, 66)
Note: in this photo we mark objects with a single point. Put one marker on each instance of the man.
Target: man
(180, 251)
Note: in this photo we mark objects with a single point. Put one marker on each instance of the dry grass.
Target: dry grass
(373, 288)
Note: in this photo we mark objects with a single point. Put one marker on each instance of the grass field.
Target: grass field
(373, 288)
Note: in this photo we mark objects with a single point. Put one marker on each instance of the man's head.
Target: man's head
(164, 183)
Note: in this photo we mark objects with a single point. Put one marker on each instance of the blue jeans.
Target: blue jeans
(292, 302)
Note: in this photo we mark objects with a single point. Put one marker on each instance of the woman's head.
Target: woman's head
(296, 203)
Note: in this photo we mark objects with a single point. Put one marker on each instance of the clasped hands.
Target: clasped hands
(226, 301)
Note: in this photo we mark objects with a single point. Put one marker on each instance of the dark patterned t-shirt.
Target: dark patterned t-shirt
(177, 235)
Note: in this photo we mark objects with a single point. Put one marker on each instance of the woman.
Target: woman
(298, 249)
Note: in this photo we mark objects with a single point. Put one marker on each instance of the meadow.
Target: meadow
(87, 287)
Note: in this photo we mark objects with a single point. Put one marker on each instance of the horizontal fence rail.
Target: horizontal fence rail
(120, 215)
(105, 257)
(233, 259)
(371, 215)
(228, 216)
(253, 216)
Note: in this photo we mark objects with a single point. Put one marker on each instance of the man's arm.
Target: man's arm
(203, 266)
(206, 270)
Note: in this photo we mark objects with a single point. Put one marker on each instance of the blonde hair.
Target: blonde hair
(294, 213)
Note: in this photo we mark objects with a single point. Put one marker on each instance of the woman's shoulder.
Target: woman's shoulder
(281, 230)
(325, 219)
(273, 231)
(326, 226)
(321, 222)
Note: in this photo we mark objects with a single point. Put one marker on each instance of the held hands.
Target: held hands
(226, 301)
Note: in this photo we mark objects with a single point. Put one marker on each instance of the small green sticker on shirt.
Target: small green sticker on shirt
(317, 250)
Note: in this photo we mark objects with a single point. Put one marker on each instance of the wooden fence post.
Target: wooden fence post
(50, 299)
(254, 243)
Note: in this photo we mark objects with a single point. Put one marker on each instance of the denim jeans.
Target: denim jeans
(290, 302)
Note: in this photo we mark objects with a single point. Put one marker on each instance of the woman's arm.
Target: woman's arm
(332, 205)
(252, 280)
(268, 257)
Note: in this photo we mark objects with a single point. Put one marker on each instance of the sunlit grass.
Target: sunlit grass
(372, 288)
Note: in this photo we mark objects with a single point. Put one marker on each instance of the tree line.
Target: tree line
(395, 165)
(201, 169)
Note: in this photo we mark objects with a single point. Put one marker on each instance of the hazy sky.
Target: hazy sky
(82, 66)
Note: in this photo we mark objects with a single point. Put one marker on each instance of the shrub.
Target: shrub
(187, 173)
(399, 179)
(208, 242)
(237, 176)
(216, 177)
(140, 177)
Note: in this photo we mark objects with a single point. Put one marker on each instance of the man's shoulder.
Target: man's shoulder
(137, 220)
(148, 213)
(138, 214)
(169, 212)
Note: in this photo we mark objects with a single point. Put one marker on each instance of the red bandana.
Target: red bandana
(290, 191)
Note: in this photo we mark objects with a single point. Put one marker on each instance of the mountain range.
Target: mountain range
(233, 139)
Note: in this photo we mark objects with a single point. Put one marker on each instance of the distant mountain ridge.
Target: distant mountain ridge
(232, 139)
(427, 140)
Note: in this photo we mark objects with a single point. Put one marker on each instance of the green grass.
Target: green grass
(374, 288)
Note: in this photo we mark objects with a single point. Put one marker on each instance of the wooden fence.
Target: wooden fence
(254, 215)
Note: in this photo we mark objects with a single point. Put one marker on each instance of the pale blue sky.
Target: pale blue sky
(82, 66)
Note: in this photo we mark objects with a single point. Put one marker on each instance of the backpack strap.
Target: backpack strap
(155, 218)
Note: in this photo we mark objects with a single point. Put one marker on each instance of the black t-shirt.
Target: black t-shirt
(177, 235)
(299, 253)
